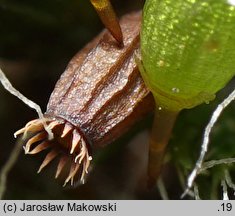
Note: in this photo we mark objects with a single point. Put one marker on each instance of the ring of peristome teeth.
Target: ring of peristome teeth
(37, 140)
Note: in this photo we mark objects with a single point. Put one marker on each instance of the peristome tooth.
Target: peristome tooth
(67, 129)
(32, 126)
(36, 138)
(85, 165)
(88, 161)
(53, 124)
(60, 166)
(73, 170)
(32, 122)
(82, 179)
(37, 121)
(80, 155)
(35, 127)
(20, 131)
(75, 141)
(42, 146)
(83, 173)
(50, 156)
(83, 152)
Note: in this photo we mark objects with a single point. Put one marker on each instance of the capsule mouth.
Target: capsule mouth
(68, 144)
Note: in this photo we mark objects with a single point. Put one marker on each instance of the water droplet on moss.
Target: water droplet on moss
(175, 90)
(161, 63)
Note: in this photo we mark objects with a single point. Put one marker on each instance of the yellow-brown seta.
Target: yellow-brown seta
(109, 18)
(97, 99)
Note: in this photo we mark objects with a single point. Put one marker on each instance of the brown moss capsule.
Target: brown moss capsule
(99, 96)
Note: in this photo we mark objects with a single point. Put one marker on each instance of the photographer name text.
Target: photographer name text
(68, 207)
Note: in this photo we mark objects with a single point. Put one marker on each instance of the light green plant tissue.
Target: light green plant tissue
(187, 50)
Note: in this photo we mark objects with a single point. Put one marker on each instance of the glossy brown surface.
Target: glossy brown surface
(101, 92)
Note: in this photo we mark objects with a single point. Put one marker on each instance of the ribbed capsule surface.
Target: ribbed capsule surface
(105, 90)
(99, 96)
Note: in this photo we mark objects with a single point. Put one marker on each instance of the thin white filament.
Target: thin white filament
(196, 192)
(162, 189)
(8, 166)
(225, 190)
(206, 138)
(229, 180)
(8, 86)
(212, 163)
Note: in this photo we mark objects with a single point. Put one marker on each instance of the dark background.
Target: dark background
(37, 40)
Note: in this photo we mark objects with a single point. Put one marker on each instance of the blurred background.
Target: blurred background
(37, 40)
